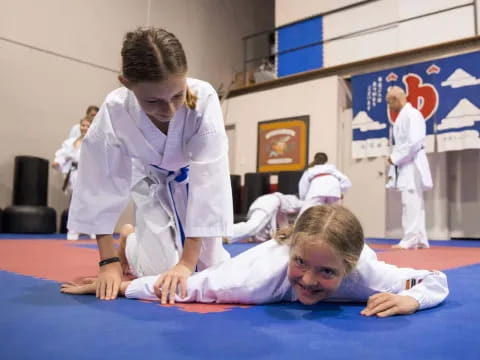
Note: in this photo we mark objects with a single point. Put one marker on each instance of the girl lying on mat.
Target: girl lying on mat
(323, 257)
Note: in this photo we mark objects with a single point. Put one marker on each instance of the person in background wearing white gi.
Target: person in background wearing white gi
(409, 171)
(161, 140)
(321, 183)
(66, 161)
(266, 214)
(324, 257)
(89, 115)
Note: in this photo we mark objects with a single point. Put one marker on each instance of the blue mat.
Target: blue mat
(40, 323)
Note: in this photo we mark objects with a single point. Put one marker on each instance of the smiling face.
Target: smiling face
(160, 100)
(84, 125)
(315, 270)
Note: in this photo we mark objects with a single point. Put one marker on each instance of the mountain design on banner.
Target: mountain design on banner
(446, 91)
(465, 114)
(460, 78)
(365, 123)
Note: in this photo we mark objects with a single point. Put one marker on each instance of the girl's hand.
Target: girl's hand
(88, 286)
(55, 165)
(166, 285)
(109, 279)
(386, 304)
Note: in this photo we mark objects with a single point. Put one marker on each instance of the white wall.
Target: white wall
(287, 11)
(405, 35)
(316, 98)
(57, 57)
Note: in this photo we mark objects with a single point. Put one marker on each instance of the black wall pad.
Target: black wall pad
(63, 222)
(29, 219)
(288, 182)
(30, 181)
(256, 185)
(1, 220)
(235, 180)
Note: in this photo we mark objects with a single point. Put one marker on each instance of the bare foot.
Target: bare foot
(125, 231)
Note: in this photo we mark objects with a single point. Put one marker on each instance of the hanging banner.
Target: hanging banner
(446, 92)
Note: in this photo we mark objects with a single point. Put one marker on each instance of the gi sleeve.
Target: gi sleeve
(429, 288)
(256, 276)
(103, 182)
(345, 182)
(61, 157)
(209, 207)
(414, 130)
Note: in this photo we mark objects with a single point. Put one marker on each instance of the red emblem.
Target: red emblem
(433, 69)
(392, 77)
(424, 97)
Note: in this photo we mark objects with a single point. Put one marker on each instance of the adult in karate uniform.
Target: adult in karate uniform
(409, 171)
(161, 140)
(266, 214)
(324, 258)
(322, 183)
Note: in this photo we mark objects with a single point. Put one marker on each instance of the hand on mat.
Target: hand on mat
(88, 286)
(109, 279)
(386, 304)
(166, 284)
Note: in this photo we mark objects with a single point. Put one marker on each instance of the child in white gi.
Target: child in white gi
(66, 161)
(409, 171)
(323, 258)
(266, 214)
(321, 183)
(92, 110)
(161, 140)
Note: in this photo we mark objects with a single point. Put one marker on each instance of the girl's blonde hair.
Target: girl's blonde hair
(151, 54)
(334, 224)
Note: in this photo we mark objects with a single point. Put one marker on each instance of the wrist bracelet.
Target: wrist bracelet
(109, 261)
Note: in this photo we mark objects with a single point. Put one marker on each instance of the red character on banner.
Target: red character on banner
(424, 97)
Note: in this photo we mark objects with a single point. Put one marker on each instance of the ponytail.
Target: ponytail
(190, 99)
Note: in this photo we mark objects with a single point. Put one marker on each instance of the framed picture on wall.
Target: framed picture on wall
(282, 145)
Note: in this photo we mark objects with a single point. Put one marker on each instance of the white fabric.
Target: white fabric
(195, 138)
(408, 153)
(156, 245)
(318, 189)
(413, 216)
(259, 276)
(265, 215)
(74, 131)
(332, 185)
(65, 156)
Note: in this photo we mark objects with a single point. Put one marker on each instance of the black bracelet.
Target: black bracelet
(109, 261)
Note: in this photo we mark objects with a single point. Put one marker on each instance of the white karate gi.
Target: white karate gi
(180, 184)
(74, 131)
(266, 214)
(322, 184)
(68, 157)
(259, 276)
(411, 174)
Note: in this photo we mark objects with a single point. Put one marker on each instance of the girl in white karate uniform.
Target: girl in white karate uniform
(66, 161)
(323, 258)
(89, 115)
(161, 140)
(266, 214)
(321, 183)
